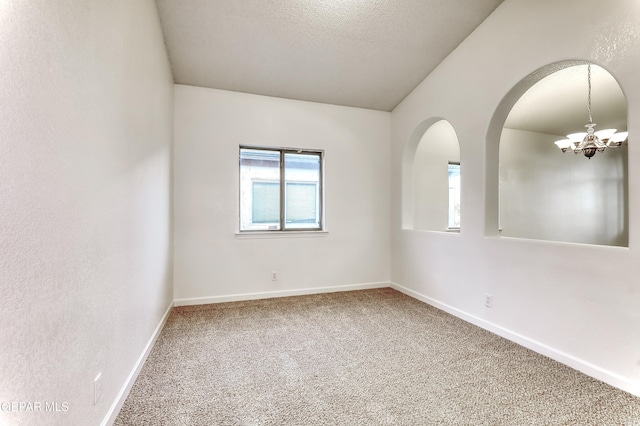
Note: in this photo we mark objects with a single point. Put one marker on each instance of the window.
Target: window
(454, 195)
(265, 206)
(280, 189)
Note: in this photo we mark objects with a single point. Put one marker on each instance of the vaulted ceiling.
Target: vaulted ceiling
(557, 104)
(361, 53)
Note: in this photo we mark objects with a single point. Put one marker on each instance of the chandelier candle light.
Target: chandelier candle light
(591, 142)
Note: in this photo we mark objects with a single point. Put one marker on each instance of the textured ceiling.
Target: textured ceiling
(362, 53)
(557, 104)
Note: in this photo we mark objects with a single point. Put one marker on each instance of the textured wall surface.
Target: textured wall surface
(210, 260)
(85, 244)
(576, 303)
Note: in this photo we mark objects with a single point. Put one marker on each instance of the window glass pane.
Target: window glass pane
(454, 196)
(302, 195)
(266, 202)
(301, 202)
(259, 189)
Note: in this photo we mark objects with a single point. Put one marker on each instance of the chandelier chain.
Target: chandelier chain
(589, 97)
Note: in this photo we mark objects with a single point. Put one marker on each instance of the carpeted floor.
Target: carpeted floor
(372, 357)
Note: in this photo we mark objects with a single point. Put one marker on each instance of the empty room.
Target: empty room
(319, 212)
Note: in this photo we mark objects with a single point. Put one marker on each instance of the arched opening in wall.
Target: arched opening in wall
(546, 194)
(431, 178)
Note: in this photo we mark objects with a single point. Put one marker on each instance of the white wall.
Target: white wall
(211, 262)
(85, 248)
(576, 303)
(438, 147)
(548, 195)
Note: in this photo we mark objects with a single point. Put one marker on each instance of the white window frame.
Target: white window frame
(283, 228)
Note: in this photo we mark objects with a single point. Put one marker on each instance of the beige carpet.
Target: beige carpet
(372, 357)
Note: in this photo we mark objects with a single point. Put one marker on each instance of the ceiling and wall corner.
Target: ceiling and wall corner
(362, 53)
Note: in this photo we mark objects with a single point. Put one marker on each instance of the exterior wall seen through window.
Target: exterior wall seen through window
(454, 195)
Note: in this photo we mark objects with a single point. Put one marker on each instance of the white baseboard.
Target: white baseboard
(581, 365)
(124, 391)
(278, 293)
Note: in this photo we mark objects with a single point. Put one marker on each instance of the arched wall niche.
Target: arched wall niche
(534, 190)
(433, 145)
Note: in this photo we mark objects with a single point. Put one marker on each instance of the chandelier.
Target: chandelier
(590, 142)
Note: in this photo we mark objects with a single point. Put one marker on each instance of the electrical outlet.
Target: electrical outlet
(97, 388)
(274, 276)
(488, 300)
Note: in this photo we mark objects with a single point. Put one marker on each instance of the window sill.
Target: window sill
(280, 234)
